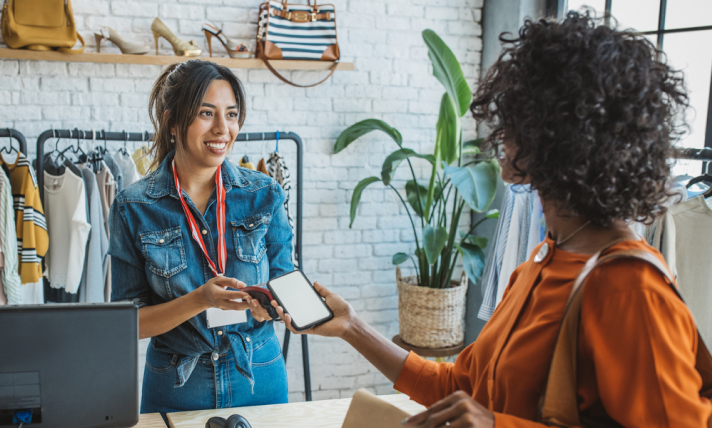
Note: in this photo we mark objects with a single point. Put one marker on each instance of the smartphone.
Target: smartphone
(298, 297)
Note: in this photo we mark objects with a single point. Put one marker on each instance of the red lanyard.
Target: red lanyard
(195, 230)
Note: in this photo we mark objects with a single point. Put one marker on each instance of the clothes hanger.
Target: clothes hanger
(705, 178)
(11, 148)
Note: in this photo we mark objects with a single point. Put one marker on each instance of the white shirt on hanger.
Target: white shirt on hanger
(68, 228)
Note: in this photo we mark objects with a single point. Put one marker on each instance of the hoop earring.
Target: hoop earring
(173, 139)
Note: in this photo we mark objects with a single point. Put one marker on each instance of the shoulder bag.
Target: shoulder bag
(40, 25)
(558, 405)
(297, 32)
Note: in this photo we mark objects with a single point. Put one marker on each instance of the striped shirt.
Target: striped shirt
(32, 238)
(8, 241)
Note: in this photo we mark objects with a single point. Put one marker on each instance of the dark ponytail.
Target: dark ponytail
(176, 98)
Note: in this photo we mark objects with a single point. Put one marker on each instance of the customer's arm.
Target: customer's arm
(387, 357)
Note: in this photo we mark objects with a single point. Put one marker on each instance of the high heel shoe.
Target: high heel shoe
(180, 47)
(126, 47)
(235, 50)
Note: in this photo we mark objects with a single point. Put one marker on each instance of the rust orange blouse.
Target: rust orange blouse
(637, 347)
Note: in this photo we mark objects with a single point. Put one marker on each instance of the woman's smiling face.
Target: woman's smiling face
(211, 134)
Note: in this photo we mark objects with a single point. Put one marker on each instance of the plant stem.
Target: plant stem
(447, 255)
(417, 192)
(416, 268)
(454, 259)
(412, 223)
(469, 232)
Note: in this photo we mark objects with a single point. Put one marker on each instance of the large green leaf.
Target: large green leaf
(447, 70)
(362, 128)
(399, 258)
(473, 261)
(395, 158)
(356, 198)
(412, 193)
(434, 241)
(476, 183)
(479, 241)
(472, 147)
(447, 141)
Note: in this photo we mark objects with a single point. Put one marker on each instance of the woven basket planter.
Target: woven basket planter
(429, 317)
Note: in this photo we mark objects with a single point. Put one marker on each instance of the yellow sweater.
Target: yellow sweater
(32, 238)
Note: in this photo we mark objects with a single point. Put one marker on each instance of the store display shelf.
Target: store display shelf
(166, 59)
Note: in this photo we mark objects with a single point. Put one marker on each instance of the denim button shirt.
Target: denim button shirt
(155, 259)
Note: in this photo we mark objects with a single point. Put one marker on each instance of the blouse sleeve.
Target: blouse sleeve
(128, 275)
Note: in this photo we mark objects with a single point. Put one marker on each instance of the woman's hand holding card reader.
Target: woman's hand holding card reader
(297, 296)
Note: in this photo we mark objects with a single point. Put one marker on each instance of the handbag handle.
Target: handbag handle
(283, 79)
(558, 405)
(285, 2)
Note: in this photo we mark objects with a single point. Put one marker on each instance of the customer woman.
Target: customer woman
(187, 236)
(585, 114)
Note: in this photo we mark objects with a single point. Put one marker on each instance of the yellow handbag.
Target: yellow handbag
(40, 25)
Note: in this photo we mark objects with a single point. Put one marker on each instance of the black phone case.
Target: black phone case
(308, 326)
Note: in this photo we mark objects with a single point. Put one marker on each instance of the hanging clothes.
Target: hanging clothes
(92, 288)
(277, 168)
(262, 166)
(128, 168)
(108, 159)
(684, 236)
(32, 237)
(520, 229)
(142, 160)
(245, 163)
(33, 293)
(107, 193)
(8, 243)
(68, 226)
(3, 299)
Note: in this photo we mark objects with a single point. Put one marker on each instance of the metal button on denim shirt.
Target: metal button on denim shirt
(155, 260)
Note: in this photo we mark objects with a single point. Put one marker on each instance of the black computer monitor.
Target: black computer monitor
(74, 365)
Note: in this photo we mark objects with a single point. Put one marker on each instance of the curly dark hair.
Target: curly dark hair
(593, 114)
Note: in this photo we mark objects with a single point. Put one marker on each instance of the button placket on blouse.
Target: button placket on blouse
(541, 259)
(207, 273)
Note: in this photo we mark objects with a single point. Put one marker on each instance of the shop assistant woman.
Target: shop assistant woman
(187, 236)
(586, 115)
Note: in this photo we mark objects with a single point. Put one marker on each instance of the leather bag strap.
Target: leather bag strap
(283, 79)
(558, 405)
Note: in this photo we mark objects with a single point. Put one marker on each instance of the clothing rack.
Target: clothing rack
(704, 155)
(100, 136)
(12, 133)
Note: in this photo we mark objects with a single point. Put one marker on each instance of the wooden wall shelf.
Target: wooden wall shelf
(166, 60)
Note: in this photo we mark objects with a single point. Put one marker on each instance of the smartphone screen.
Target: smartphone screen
(300, 300)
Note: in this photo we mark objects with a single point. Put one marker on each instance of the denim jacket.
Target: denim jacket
(155, 259)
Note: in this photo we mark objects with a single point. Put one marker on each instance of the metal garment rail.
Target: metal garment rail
(100, 136)
(12, 133)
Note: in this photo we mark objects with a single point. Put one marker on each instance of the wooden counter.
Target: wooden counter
(151, 420)
(310, 414)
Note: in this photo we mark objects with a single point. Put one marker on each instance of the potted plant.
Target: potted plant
(431, 305)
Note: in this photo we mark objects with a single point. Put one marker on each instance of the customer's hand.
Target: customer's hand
(457, 410)
(214, 294)
(344, 315)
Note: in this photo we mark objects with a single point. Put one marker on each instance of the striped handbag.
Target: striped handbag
(297, 32)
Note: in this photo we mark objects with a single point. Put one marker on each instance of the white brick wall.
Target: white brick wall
(393, 81)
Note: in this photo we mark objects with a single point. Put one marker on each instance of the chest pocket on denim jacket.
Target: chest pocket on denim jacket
(163, 250)
(249, 237)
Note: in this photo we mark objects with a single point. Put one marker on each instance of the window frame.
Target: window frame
(558, 9)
